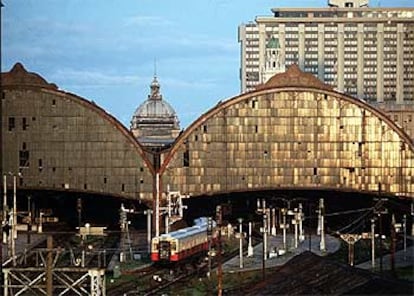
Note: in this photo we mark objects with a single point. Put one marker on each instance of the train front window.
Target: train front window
(173, 246)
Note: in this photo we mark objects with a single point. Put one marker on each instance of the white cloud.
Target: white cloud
(92, 78)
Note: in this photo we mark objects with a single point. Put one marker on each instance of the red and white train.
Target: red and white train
(181, 244)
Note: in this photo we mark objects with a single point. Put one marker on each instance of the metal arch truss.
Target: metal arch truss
(66, 281)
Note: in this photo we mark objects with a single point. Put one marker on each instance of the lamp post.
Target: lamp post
(273, 222)
(284, 226)
(261, 210)
(300, 216)
(241, 241)
(157, 204)
(264, 247)
(373, 243)
(404, 228)
(14, 224)
(148, 213)
(322, 245)
(209, 233)
(250, 246)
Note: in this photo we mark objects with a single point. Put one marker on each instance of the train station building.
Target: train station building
(294, 131)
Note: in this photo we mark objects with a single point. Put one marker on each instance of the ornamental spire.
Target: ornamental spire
(155, 85)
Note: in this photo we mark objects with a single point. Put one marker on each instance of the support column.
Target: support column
(6, 282)
(262, 51)
(340, 58)
(97, 282)
(400, 64)
(273, 222)
(243, 57)
(49, 266)
(380, 63)
(360, 61)
(282, 42)
(372, 243)
(322, 245)
(14, 225)
(321, 52)
(250, 247)
(148, 213)
(157, 204)
(301, 49)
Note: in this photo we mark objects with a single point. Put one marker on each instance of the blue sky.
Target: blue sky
(104, 50)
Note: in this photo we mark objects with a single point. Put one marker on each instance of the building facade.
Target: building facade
(364, 52)
(56, 141)
(293, 132)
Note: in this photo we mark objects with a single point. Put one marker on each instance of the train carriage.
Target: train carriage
(181, 244)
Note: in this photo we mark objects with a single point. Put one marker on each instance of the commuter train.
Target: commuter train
(181, 244)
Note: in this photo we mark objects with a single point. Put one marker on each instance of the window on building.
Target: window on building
(254, 104)
(24, 158)
(24, 123)
(12, 123)
(186, 158)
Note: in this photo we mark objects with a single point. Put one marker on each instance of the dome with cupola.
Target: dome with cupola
(155, 122)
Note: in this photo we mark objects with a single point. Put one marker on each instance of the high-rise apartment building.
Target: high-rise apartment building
(362, 51)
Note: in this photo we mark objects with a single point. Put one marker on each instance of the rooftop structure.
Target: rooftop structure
(155, 122)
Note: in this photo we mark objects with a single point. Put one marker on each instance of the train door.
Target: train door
(165, 250)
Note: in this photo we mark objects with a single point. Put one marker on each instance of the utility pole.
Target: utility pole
(219, 267)
(157, 204)
(5, 223)
(350, 239)
(379, 211)
(174, 210)
(322, 245)
(296, 222)
(123, 221)
(261, 210)
(373, 243)
(404, 227)
(284, 226)
(49, 266)
(250, 246)
(29, 217)
(393, 241)
(264, 256)
(148, 213)
(241, 241)
(273, 221)
(79, 209)
(301, 236)
(209, 233)
(14, 228)
(310, 230)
